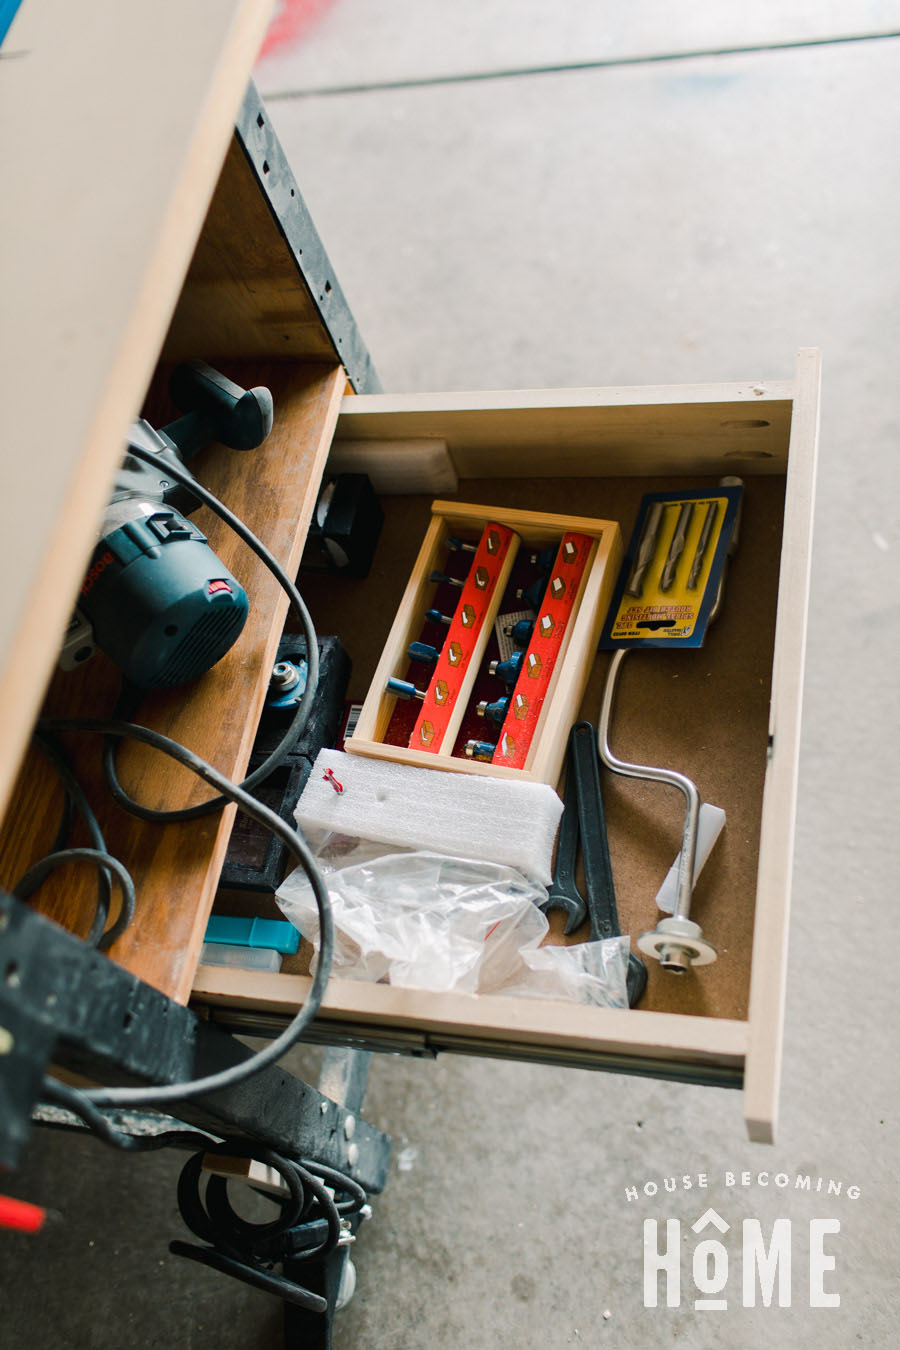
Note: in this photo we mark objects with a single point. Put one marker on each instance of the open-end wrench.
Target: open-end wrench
(583, 821)
(563, 892)
(584, 765)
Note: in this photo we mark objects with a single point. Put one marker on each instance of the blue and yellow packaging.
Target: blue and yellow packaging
(673, 567)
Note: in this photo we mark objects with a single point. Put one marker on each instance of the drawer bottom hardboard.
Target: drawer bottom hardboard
(704, 712)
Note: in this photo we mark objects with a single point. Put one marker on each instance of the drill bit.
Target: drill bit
(676, 548)
(645, 549)
(702, 544)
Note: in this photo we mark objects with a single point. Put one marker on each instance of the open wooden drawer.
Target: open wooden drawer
(728, 715)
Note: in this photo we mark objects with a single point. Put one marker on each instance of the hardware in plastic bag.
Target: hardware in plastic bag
(427, 921)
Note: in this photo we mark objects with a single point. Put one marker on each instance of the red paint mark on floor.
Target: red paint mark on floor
(292, 21)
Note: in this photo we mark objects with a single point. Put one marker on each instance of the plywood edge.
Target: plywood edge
(768, 977)
(421, 759)
(333, 380)
(487, 1018)
(586, 432)
(355, 410)
(525, 523)
(562, 705)
(45, 605)
(422, 464)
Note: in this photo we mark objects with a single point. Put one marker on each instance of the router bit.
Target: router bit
(520, 632)
(422, 651)
(480, 750)
(404, 689)
(645, 549)
(507, 671)
(494, 712)
(712, 512)
(441, 578)
(676, 548)
(533, 594)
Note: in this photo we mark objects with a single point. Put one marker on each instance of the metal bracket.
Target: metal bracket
(279, 187)
(63, 1002)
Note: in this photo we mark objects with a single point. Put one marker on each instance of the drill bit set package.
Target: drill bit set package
(673, 568)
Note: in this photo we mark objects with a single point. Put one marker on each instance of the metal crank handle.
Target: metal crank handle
(677, 942)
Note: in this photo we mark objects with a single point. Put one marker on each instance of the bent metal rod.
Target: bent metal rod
(676, 942)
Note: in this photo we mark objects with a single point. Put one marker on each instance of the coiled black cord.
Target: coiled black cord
(297, 846)
(29, 883)
(75, 800)
(237, 1247)
(216, 1222)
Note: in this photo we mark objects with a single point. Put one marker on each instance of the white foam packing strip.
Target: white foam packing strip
(709, 827)
(464, 814)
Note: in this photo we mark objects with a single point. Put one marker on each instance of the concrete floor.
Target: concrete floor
(641, 221)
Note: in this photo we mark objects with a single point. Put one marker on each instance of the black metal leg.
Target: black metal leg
(343, 1078)
(63, 1003)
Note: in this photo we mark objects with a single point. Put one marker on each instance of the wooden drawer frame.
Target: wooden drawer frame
(755, 430)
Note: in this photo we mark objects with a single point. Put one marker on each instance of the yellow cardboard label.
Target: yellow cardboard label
(670, 571)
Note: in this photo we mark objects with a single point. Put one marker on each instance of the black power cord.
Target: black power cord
(296, 1174)
(75, 800)
(297, 846)
(74, 1100)
(115, 730)
(126, 705)
(237, 1247)
(29, 883)
(310, 1222)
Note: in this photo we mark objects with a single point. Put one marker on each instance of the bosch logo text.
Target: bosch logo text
(96, 570)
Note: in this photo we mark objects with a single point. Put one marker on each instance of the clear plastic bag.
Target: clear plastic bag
(585, 972)
(427, 921)
(422, 920)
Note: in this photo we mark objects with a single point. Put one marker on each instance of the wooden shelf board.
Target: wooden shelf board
(176, 867)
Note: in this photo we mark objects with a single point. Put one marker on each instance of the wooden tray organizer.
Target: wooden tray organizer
(573, 662)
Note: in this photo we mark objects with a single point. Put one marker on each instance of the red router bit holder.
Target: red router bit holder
(442, 708)
(542, 653)
(432, 733)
